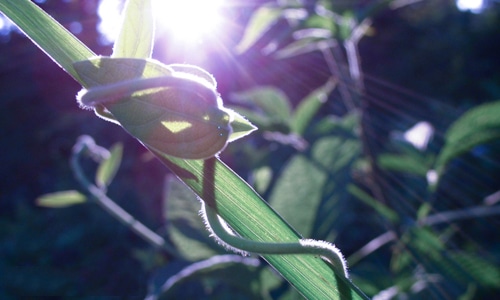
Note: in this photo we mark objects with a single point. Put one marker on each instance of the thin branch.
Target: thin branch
(443, 217)
(353, 58)
(371, 247)
(336, 71)
(86, 144)
(200, 266)
(467, 213)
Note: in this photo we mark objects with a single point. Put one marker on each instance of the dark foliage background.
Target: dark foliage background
(428, 61)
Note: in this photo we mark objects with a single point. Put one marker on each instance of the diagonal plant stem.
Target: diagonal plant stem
(86, 144)
(200, 266)
(371, 247)
(461, 214)
(435, 219)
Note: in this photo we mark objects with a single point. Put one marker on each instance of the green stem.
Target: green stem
(223, 234)
(116, 91)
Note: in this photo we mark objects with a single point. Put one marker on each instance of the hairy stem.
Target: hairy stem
(326, 250)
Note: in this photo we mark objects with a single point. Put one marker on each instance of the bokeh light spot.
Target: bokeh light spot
(475, 6)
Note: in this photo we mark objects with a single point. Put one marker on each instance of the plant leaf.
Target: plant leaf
(477, 126)
(406, 163)
(241, 126)
(61, 199)
(308, 107)
(382, 209)
(136, 37)
(107, 168)
(185, 227)
(251, 217)
(483, 271)
(272, 102)
(297, 197)
(184, 119)
(260, 22)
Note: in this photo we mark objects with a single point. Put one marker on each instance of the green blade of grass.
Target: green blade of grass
(245, 211)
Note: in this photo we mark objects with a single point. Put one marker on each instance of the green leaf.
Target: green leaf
(423, 211)
(322, 21)
(136, 37)
(346, 26)
(309, 188)
(261, 121)
(272, 103)
(241, 126)
(107, 168)
(61, 199)
(183, 116)
(483, 271)
(336, 153)
(308, 107)
(405, 163)
(251, 217)
(185, 228)
(348, 124)
(477, 126)
(262, 178)
(297, 197)
(260, 22)
(382, 209)
(302, 46)
(460, 266)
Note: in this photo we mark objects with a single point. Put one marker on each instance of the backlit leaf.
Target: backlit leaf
(477, 126)
(262, 19)
(136, 36)
(308, 107)
(61, 199)
(107, 168)
(184, 119)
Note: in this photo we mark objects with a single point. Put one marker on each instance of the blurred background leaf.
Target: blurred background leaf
(109, 166)
(61, 199)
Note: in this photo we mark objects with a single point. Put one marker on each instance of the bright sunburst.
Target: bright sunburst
(189, 20)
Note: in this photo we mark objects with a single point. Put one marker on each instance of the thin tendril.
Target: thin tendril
(326, 250)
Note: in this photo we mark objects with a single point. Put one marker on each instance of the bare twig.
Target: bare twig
(371, 247)
(467, 213)
(87, 144)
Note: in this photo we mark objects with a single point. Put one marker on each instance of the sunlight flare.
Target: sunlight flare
(190, 20)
